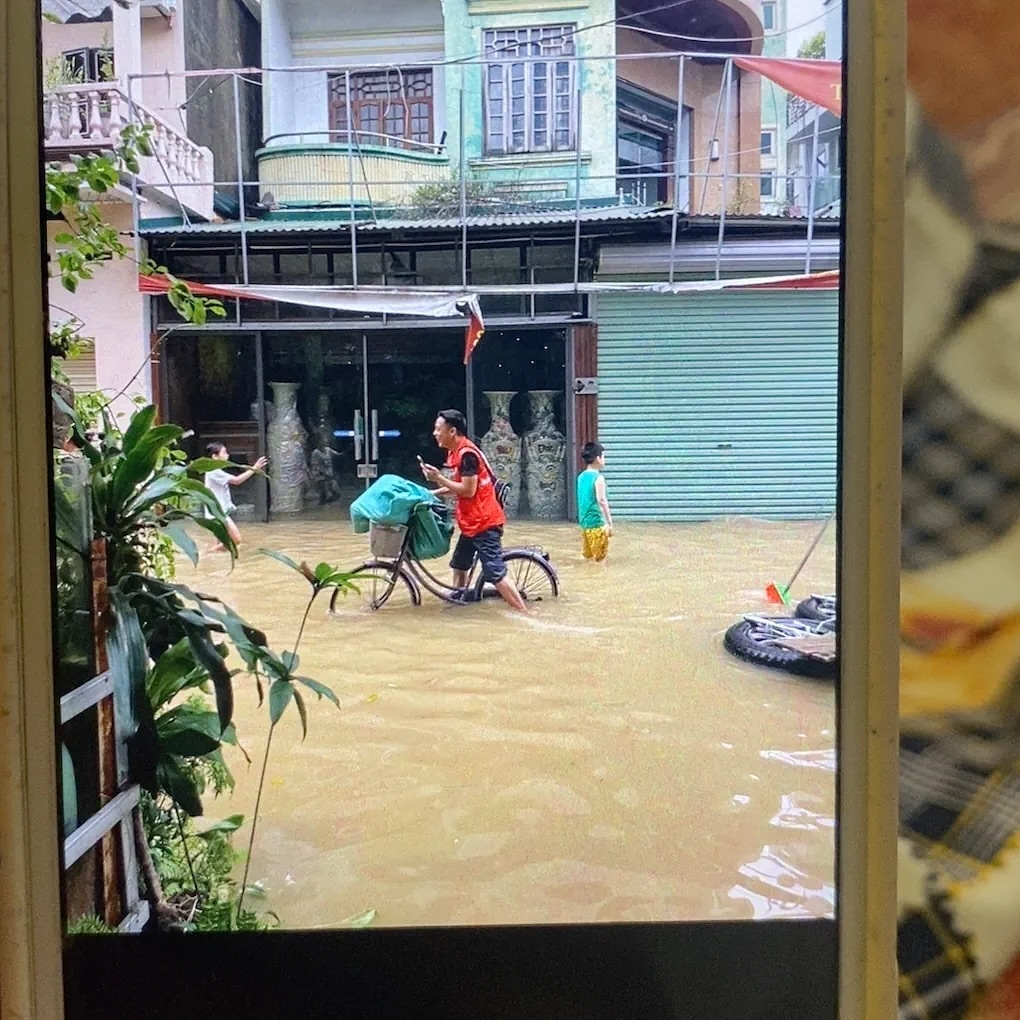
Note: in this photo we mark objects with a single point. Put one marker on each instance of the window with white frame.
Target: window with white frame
(768, 15)
(768, 141)
(768, 185)
(530, 105)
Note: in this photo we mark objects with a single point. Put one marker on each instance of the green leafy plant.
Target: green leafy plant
(70, 191)
(813, 48)
(194, 867)
(140, 480)
(444, 199)
(89, 924)
(281, 672)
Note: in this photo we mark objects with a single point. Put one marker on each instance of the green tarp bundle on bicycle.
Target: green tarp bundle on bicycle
(395, 502)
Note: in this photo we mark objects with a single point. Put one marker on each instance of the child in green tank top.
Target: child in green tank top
(593, 504)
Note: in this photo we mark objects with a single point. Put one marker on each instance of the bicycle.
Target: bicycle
(396, 576)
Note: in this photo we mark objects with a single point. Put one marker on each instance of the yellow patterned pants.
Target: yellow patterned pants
(594, 544)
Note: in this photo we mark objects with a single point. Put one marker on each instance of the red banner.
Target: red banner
(817, 81)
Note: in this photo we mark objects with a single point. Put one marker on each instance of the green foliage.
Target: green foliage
(281, 670)
(141, 480)
(189, 735)
(59, 71)
(195, 868)
(88, 240)
(195, 310)
(444, 198)
(66, 340)
(813, 48)
(89, 924)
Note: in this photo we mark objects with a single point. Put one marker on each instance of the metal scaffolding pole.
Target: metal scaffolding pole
(676, 167)
(350, 176)
(726, 167)
(812, 190)
(240, 182)
(577, 193)
(714, 137)
(462, 145)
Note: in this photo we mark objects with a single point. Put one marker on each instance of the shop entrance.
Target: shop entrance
(367, 402)
(363, 403)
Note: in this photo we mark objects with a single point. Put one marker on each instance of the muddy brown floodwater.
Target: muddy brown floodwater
(603, 760)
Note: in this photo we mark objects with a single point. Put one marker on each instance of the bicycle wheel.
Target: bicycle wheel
(533, 574)
(377, 587)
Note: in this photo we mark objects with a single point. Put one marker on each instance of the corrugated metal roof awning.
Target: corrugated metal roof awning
(749, 257)
(322, 225)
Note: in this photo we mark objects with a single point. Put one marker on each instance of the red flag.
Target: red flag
(473, 335)
(817, 81)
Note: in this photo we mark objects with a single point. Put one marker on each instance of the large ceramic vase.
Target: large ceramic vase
(545, 467)
(288, 468)
(502, 447)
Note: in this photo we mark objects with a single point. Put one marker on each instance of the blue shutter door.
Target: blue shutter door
(719, 404)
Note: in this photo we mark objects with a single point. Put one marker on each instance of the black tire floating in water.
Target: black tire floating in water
(746, 640)
(816, 608)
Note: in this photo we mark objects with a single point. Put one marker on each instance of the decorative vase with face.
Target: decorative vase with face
(545, 467)
(502, 447)
(288, 466)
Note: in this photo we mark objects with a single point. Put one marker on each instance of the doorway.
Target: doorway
(367, 400)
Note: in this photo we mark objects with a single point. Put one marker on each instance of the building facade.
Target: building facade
(93, 53)
(567, 162)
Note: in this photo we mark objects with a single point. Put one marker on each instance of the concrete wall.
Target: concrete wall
(114, 313)
(223, 33)
(57, 39)
(466, 21)
(833, 30)
(163, 50)
(401, 33)
(277, 51)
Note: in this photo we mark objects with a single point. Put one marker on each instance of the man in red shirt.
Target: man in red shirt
(479, 515)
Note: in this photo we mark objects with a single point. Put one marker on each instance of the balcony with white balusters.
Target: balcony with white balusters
(89, 118)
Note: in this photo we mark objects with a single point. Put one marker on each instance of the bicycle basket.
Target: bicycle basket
(386, 540)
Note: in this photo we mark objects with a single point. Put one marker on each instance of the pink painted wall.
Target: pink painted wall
(57, 39)
(162, 47)
(163, 50)
(114, 313)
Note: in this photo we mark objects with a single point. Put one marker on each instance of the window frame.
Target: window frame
(528, 37)
(90, 60)
(770, 13)
(338, 101)
(770, 152)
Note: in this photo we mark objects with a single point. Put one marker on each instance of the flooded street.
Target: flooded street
(603, 760)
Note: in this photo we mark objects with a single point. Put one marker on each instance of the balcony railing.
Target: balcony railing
(372, 171)
(90, 117)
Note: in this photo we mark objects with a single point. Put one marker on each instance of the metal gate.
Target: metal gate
(719, 404)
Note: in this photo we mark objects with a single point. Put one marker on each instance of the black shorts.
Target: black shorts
(488, 547)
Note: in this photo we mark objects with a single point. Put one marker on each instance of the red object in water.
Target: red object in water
(1002, 1000)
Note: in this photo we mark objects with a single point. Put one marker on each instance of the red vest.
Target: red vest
(482, 510)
